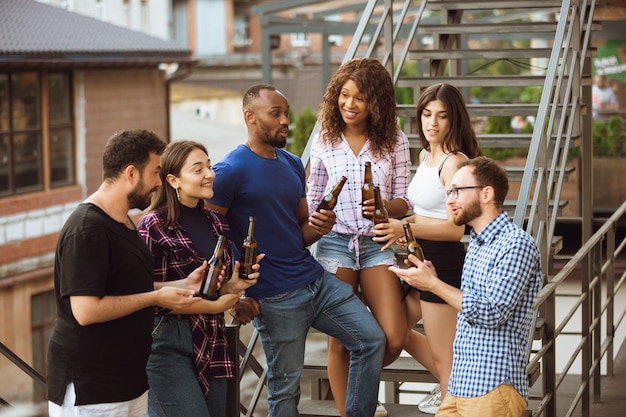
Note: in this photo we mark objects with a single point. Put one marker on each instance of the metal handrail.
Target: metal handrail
(26, 368)
(597, 265)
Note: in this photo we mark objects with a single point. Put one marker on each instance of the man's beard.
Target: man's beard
(468, 214)
(275, 141)
(138, 198)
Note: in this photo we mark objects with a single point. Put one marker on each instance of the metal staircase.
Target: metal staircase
(550, 38)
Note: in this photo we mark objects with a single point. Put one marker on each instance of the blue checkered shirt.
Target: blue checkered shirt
(500, 281)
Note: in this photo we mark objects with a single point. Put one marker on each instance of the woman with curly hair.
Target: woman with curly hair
(359, 125)
(447, 139)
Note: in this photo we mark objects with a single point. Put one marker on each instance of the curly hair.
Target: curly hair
(374, 81)
(461, 136)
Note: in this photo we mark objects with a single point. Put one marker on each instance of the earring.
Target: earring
(177, 194)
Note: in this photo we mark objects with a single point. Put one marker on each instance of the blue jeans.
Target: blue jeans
(174, 389)
(336, 250)
(330, 306)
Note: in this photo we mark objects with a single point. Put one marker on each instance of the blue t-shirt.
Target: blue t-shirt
(270, 190)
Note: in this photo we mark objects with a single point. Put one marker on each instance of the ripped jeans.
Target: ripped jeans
(356, 252)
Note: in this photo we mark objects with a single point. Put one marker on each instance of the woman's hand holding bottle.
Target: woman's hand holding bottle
(389, 233)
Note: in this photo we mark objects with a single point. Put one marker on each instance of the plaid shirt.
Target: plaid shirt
(328, 163)
(500, 281)
(175, 258)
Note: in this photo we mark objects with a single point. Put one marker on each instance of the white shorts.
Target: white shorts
(133, 408)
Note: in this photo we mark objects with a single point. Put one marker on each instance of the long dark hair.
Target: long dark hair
(461, 136)
(172, 161)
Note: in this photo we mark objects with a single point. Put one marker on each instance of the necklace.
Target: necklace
(249, 146)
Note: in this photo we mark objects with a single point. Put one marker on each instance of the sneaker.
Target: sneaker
(431, 403)
(381, 411)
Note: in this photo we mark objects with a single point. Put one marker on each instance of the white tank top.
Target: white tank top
(426, 191)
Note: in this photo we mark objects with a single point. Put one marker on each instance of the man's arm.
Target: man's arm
(424, 277)
(92, 309)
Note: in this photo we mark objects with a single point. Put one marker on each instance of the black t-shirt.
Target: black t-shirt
(99, 256)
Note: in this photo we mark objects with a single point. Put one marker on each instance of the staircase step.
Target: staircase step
(493, 4)
(515, 53)
(324, 408)
(516, 173)
(498, 140)
(327, 408)
(492, 109)
(403, 369)
(485, 28)
(510, 205)
(475, 81)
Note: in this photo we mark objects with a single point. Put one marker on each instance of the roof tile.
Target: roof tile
(32, 29)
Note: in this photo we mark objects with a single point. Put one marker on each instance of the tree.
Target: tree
(305, 123)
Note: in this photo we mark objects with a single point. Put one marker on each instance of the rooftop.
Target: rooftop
(36, 33)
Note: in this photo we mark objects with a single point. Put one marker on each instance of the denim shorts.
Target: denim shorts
(334, 250)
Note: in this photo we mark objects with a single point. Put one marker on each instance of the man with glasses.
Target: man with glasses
(500, 281)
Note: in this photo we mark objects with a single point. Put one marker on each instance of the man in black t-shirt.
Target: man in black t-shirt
(105, 293)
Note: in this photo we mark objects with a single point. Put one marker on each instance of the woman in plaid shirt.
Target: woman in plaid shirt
(189, 364)
(359, 125)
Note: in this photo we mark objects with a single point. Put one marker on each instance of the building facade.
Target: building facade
(67, 83)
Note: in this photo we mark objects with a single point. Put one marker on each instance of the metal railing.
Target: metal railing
(595, 262)
(23, 366)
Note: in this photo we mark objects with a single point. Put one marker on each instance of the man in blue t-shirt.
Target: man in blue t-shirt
(293, 293)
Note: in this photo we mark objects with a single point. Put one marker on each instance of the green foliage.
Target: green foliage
(305, 123)
(498, 124)
(506, 94)
(609, 139)
(502, 124)
(404, 95)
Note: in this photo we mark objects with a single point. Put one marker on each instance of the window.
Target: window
(23, 156)
(61, 130)
(145, 16)
(241, 36)
(300, 39)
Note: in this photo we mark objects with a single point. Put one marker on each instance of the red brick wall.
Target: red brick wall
(33, 201)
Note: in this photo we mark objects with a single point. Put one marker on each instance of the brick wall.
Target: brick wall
(120, 99)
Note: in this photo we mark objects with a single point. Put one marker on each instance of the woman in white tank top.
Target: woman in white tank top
(447, 138)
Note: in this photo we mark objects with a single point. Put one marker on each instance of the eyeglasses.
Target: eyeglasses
(454, 192)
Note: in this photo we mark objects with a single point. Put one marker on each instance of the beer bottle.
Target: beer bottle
(367, 191)
(330, 200)
(248, 251)
(380, 212)
(208, 289)
(412, 247)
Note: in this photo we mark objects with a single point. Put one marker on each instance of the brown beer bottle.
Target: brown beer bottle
(208, 289)
(412, 247)
(248, 251)
(367, 191)
(330, 200)
(380, 212)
